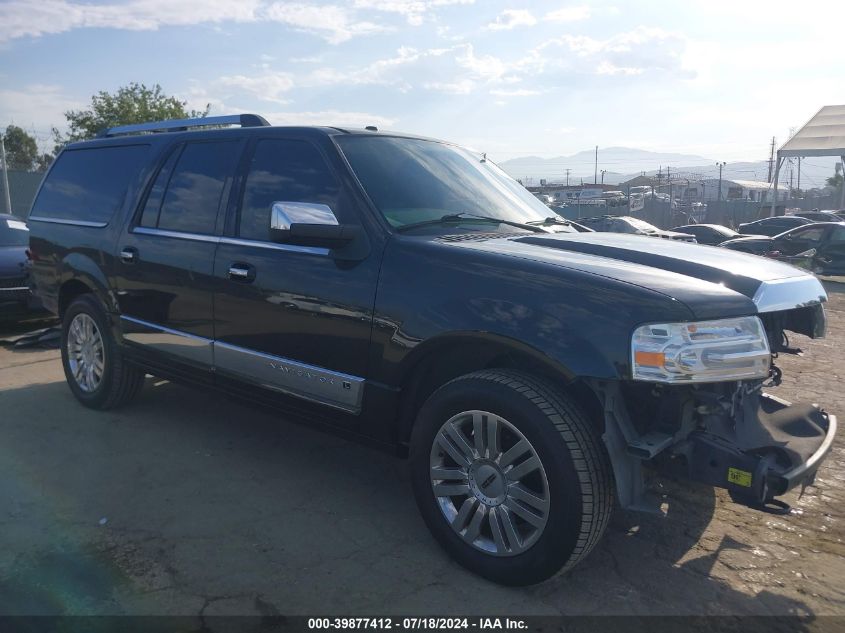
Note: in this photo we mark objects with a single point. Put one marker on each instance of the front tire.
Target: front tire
(510, 476)
(94, 366)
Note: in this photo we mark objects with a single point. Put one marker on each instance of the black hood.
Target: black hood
(713, 282)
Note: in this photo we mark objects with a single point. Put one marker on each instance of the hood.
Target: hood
(13, 261)
(713, 282)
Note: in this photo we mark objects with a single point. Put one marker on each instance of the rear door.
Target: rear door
(299, 320)
(165, 260)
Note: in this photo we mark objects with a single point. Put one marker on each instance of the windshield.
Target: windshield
(412, 181)
(13, 233)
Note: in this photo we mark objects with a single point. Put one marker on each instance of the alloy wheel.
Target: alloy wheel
(85, 352)
(489, 483)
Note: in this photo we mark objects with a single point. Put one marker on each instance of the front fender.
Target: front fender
(578, 322)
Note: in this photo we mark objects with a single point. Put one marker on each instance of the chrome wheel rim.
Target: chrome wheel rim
(489, 483)
(85, 353)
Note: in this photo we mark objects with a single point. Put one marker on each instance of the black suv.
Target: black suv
(408, 293)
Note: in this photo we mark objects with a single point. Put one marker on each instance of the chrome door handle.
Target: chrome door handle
(128, 255)
(241, 272)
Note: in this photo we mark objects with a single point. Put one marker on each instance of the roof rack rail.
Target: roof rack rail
(180, 125)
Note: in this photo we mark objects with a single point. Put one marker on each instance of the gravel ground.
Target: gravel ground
(185, 503)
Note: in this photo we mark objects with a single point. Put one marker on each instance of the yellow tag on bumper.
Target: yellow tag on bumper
(739, 477)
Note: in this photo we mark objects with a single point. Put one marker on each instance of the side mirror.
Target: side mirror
(308, 224)
(283, 214)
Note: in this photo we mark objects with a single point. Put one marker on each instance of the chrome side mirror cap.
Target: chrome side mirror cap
(284, 214)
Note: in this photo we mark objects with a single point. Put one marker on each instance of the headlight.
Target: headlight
(705, 351)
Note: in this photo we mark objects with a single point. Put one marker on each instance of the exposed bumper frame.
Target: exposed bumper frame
(807, 470)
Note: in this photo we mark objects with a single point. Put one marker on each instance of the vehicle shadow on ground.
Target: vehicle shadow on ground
(12, 330)
(834, 285)
(186, 502)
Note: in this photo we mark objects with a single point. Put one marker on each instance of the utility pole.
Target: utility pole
(596, 173)
(567, 176)
(8, 199)
(799, 175)
(603, 172)
(720, 165)
(771, 159)
(791, 178)
(842, 195)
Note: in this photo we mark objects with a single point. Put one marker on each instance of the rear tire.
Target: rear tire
(94, 366)
(536, 517)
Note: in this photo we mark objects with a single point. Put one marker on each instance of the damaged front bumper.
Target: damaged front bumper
(727, 434)
(753, 444)
(798, 438)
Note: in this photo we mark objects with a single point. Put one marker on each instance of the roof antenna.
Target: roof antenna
(483, 157)
(371, 128)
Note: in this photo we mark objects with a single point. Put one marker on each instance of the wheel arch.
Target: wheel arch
(79, 275)
(445, 357)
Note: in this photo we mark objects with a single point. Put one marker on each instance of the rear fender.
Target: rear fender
(80, 267)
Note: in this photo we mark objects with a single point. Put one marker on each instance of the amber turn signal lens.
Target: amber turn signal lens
(650, 359)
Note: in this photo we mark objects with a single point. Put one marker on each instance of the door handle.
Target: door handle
(129, 255)
(241, 272)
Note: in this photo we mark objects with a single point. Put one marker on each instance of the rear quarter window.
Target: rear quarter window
(89, 185)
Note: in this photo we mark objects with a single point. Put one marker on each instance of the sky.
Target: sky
(716, 78)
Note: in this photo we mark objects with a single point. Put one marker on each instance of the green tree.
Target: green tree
(834, 181)
(135, 103)
(43, 161)
(21, 148)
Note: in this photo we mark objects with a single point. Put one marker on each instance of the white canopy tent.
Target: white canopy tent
(823, 135)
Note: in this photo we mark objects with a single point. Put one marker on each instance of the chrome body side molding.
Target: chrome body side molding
(199, 237)
(331, 388)
(316, 384)
(195, 349)
(86, 223)
(293, 248)
(196, 237)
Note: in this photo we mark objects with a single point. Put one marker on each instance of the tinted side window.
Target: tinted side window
(838, 234)
(813, 234)
(201, 180)
(152, 206)
(89, 184)
(283, 171)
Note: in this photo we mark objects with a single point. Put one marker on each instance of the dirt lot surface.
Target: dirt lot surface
(185, 503)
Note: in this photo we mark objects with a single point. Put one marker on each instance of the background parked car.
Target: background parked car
(15, 295)
(820, 247)
(634, 226)
(712, 234)
(773, 226)
(821, 216)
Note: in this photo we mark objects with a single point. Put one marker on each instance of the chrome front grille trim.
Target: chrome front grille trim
(789, 293)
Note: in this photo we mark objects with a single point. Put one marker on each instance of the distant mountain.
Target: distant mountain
(623, 163)
(618, 161)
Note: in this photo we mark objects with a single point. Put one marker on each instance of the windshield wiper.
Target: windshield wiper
(457, 217)
(554, 219)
